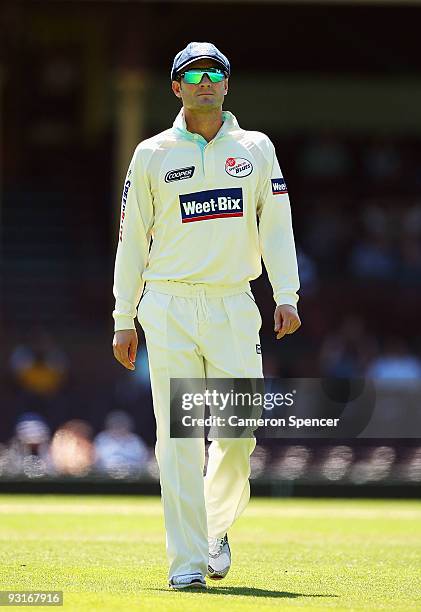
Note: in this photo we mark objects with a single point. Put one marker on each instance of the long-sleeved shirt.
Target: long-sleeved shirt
(203, 212)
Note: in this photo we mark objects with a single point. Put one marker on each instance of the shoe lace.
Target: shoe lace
(215, 545)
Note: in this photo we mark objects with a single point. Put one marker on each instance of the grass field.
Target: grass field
(107, 553)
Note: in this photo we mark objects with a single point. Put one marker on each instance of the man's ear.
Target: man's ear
(175, 86)
(226, 87)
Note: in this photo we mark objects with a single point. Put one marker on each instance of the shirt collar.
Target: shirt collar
(230, 124)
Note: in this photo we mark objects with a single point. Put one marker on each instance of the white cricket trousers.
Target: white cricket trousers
(199, 331)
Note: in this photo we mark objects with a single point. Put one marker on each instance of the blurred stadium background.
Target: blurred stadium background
(337, 88)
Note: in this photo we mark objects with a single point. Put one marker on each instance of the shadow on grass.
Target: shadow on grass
(246, 591)
(252, 592)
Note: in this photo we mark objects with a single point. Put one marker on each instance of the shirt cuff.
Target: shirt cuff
(286, 298)
(123, 322)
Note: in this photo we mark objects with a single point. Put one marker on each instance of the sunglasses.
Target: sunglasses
(193, 77)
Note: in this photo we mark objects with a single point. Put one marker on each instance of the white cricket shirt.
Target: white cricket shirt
(203, 212)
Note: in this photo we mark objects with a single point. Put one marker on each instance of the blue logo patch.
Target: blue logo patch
(279, 186)
(212, 204)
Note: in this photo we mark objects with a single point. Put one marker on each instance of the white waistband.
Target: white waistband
(183, 289)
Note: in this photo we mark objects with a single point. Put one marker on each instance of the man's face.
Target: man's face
(204, 96)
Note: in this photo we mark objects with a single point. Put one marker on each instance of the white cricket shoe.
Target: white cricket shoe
(188, 581)
(219, 558)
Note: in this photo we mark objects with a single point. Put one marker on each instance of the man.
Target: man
(212, 199)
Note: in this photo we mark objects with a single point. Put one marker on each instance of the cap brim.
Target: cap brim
(199, 58)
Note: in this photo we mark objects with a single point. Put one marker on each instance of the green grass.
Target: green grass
(108, 553)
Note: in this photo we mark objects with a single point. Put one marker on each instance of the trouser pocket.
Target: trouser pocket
(255, 306)
(141, 302)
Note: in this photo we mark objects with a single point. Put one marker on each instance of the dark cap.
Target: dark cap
(195, 51)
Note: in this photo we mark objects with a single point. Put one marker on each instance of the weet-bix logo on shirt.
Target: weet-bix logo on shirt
(212, 204)
(279, 186)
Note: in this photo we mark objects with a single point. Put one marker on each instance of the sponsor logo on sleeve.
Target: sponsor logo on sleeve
(212, 204)
(238, 167)
(180, 174)
(123, 205)
(279, 186)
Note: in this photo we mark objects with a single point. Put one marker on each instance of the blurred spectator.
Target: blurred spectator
(374, 258)
(347, 352)
(72, 451)
(411, 223)
(119, 451)
(308, 273)
(40, 367)
(141, 373)
(327, 231)
(410, 273)
(3, 459)
(28, 451)
(132, 387)
(396, 365)
(375, 218)
(325, 157)
(131, 390)
(382, 160)
(387, 216)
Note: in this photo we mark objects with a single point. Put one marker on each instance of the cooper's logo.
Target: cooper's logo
(212, 204)
(123, 205)
(279, 186)
(179, 174)
(238, 166)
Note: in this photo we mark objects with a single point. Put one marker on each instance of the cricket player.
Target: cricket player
(203, 203)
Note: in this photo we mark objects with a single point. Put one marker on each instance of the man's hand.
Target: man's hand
(287, 320)
(125, 347)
